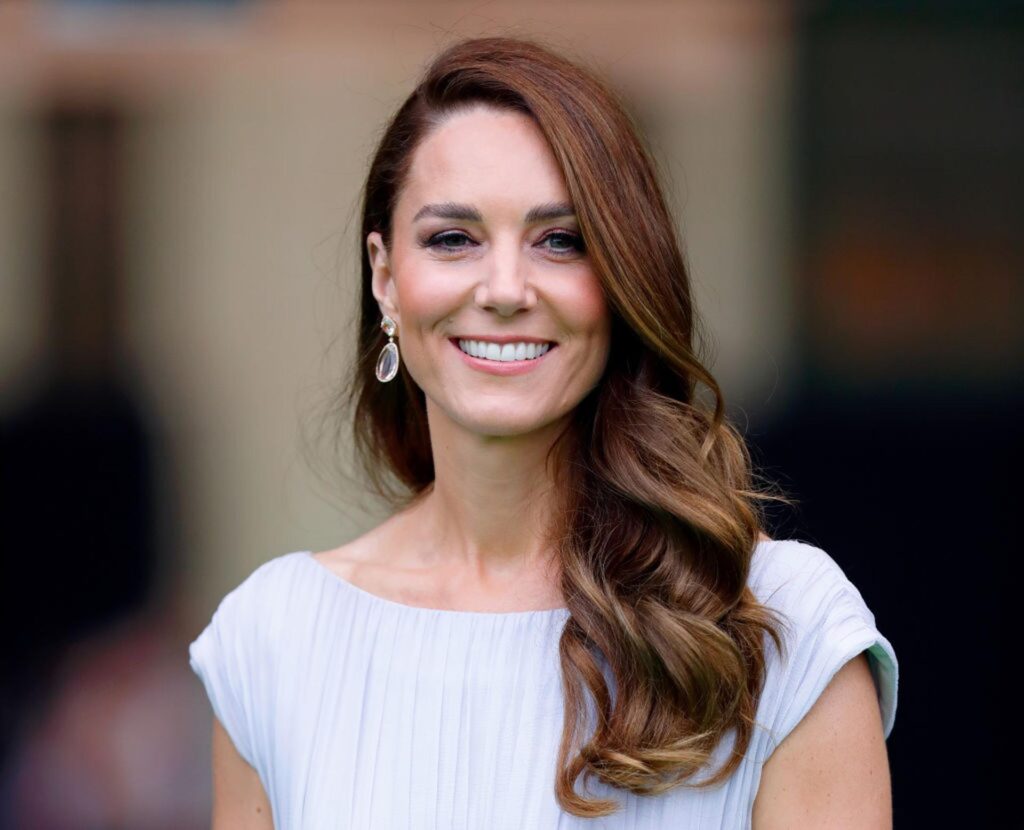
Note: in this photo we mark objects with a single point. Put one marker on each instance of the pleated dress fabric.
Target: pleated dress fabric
(362, 712)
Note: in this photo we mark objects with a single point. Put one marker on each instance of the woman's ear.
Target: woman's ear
(382, 282)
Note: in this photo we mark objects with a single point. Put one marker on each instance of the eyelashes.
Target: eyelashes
(441, 242)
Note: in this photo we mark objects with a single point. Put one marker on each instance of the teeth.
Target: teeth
(504, 353)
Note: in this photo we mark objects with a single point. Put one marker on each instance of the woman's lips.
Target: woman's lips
(501, 367)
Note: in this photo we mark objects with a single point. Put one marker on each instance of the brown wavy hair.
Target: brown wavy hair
(658, 514)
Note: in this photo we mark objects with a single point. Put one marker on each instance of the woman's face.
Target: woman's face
(485, 247)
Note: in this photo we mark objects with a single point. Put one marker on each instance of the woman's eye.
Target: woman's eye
(447, 241)
(566, 243)
(561, 243)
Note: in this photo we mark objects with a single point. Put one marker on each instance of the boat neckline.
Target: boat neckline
(455, 612)
(458, 612)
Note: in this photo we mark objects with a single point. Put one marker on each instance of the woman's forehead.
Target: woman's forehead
(484, 156)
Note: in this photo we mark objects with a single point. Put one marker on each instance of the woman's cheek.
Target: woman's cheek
(424, 292)
(585, 305)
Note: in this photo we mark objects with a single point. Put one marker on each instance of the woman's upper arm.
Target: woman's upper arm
(832, 770)
(239, 800)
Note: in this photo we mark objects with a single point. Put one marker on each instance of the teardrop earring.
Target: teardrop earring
(387, 360)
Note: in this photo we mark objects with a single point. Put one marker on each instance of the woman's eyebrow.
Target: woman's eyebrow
(549, 211)
(467, 213)
(450, 210)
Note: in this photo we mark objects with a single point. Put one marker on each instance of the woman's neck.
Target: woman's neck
(490, 503)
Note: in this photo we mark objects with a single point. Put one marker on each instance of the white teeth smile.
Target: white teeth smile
(503, 352)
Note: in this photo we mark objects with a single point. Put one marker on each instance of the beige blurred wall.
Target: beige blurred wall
(245, 163)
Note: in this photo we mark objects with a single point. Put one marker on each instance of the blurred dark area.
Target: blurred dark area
(76, 480)
(904, 442)
(77, 492)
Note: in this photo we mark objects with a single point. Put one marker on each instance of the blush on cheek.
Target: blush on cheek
(588, 307)
(426, 296)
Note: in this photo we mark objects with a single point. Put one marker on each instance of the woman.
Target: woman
(573, 618)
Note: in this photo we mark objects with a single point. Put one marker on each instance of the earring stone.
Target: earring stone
(387, 360)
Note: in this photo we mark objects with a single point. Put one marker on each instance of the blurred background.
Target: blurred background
(179, 186)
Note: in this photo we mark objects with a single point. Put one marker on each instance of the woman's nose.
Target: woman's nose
(505, 284)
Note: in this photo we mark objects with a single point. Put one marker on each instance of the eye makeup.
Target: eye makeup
(439, 242)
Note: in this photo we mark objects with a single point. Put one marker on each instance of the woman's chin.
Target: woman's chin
(500, 425)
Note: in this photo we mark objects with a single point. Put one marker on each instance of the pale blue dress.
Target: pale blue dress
(361, 712)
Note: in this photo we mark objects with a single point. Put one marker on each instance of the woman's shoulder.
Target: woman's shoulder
(255, 600)
(791, 567)
(270, 605)
(349, 560)
(235, 655)
(826, 622)
(281, 592)
(806, 585)
(272, 578)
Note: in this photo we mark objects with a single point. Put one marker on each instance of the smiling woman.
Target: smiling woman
(501, 266)
(575, 587)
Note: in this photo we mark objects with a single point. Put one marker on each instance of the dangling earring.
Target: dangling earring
(387, 360)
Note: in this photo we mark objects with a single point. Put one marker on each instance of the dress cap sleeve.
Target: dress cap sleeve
(225, 655)
(828, 624)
